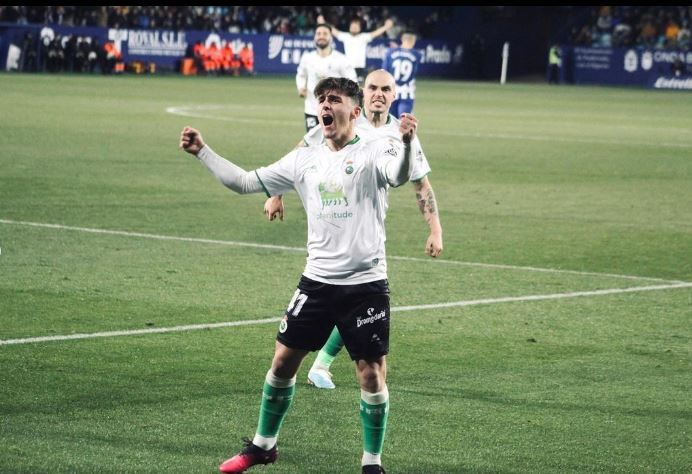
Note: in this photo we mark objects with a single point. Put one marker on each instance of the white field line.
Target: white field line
(304, 251)
(190, 112)
(198, 111)
(542, 138)
(454, 304)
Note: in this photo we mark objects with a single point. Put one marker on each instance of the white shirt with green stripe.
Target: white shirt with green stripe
(344, 194)
(419, 164)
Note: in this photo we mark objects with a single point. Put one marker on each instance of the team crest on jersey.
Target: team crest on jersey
(349, 169)
(284, 325)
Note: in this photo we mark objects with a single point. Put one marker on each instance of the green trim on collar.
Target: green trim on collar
(356, 139)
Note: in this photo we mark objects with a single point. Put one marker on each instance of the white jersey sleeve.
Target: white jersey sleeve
(279, 177)
(419, 166)
(419, 162)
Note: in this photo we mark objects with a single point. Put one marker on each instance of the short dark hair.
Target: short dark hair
(324, 25)
(342, 85)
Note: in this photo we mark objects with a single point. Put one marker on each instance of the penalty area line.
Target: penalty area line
(253, 322)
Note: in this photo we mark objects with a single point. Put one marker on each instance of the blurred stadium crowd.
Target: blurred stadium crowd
(85, 54)
(607, 26)
(659, 27)
(296, 20)
(655, 27)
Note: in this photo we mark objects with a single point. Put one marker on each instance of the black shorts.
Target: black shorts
(311, 121)
(360, 312)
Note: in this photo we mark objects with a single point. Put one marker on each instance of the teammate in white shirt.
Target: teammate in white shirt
(375, 121)
(314, 66)
(356, 43)
(343, 185)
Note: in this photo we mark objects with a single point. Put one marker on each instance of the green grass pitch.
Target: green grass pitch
(553, 335)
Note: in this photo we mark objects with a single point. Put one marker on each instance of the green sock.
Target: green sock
(374, 410)
(330, 349)
(275, 404)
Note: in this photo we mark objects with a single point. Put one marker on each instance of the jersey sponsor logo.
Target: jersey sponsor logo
(332, 194)
(371, 318)
(335, 215)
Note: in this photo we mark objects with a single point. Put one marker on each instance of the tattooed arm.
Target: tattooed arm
(428, 207)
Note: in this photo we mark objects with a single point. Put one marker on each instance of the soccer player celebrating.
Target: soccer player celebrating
(343, 185)
(375, 121)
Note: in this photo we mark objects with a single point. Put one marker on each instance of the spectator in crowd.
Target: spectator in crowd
(323, 62)
(28, 58)
(80, 55)
(647, 33)
(604, 25)
(70, 50)
(356, 42)
(678, 67)
(583, 36)
(56, 55)
(622, 34)
(684, 36)
(95, 57)
(657, 27)
(671, 32)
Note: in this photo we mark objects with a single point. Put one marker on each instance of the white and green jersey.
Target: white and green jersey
(313, 68)
(355, 47)
(419, 166)
(344, 194)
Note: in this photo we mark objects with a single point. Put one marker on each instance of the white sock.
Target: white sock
(369, 458)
